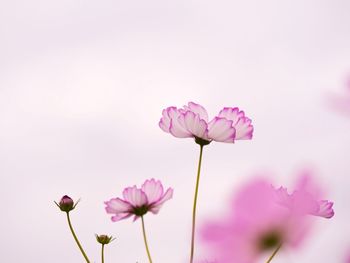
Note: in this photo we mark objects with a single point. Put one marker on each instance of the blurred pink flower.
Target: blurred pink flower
(347, 259)
(305, 199)
(138, 201)
(192, 121)
(341, 103)
(260, 220)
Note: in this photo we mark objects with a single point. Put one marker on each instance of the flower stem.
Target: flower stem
(195, 203)
(145, 240)
(102, 254)
(76, 239)
(274, 253)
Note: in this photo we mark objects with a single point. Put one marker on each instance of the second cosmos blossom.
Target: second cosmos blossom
(138, 201)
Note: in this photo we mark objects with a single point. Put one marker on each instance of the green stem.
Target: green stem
(76, 239)
(195, 203)
(102, 253)
(274, 253)
(145, 239)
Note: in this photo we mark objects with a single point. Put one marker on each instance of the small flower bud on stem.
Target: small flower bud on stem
(66, 204)
(103, 240)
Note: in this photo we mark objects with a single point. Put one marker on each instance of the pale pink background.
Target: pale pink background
(82, 86)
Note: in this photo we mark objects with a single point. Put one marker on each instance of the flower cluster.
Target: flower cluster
(260, 219)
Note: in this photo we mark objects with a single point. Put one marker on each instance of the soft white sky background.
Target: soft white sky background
(82, 86)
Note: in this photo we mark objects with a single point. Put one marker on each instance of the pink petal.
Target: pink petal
(242, 124)
(325, 209)
(135, 218)
(232, 114)
(197, 109)
(176, 128)
(117, 205)
(164, 122)
(194, 124)
(221, 130)
(244, 129)
(304, 203)
(156, 206)
(153, 190)
(121, 216)
(136, 197)
(283, 198)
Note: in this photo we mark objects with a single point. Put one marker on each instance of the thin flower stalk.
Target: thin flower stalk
(195, 204)
(103, 240)
(102, 253)
(76, 239)
(145, 240)
(274, 253)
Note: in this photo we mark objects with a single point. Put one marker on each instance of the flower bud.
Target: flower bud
(66, 204)
(104, 239)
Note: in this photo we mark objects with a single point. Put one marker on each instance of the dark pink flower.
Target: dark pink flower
(138, 201)
(192, 121)
(260, 219)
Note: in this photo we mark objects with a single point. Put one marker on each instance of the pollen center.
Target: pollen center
(270, 240)
(140, 211)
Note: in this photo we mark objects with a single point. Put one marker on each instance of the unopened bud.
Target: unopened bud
(104, 239)
(66, 204)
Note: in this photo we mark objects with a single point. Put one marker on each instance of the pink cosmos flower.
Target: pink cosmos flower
(341, 103)
(138, 201)
(302, 202)
(260, 220)
(192, 121)
(347, 258)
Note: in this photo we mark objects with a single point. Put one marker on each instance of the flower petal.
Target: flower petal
(117, 205)
(325, 209)
(283, 198)
(153, 190)
(221, 130)
(244, 129)
(197, 109)
(120, 208)
(176, 128)
(121, 216)
(232, 114)
(196, 126)
(164, 122)
(242, 124)
(136, 197)
(135, 218)
(156, 206)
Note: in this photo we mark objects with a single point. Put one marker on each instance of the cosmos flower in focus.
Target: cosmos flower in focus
(138, 201)
(192, 121)
(260, 220)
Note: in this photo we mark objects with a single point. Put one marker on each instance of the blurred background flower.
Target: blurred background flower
(261, 220)
(340, 101)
